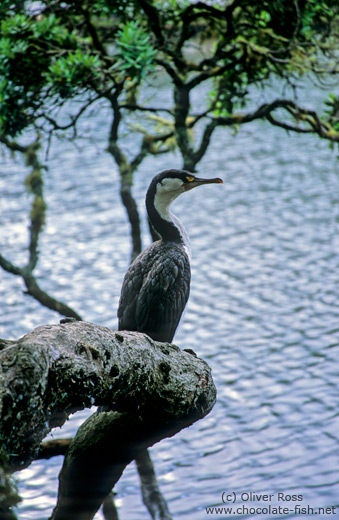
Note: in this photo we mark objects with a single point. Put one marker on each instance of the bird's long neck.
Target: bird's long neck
(164, 222)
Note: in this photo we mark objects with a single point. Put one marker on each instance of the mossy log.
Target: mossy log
(151, 389)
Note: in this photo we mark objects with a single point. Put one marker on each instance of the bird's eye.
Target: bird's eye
(189, 179)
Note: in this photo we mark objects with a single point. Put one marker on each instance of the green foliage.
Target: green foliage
(135, 51)
(26, 50)
(17, 107)
(278, 38)
(229, 93)
(76, 70)
(55, 51)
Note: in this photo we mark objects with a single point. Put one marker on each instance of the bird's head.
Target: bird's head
(169, 184)
(163, 190)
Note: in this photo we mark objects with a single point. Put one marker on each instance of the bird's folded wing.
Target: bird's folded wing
(163, 296)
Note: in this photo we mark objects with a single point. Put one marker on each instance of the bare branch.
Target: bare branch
(210, 73)
(93, 32)
(74, 119)
(288, 127)
(153, 20)
(126, 169)
(301, 115)
(108, 508)
(140, 156)
(205, 141)
(44, 298)
(133, 108)
(151, 495)
(9, 267)
(14, 146)
(53, 448)
(59, 369)
(204, 11)
(34, 182)
(170, 71)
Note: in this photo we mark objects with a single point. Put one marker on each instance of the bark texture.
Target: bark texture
(153, 389)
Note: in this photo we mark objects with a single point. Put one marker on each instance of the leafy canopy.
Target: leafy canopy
(51, 51)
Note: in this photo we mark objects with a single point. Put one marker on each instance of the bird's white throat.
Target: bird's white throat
(165, 194)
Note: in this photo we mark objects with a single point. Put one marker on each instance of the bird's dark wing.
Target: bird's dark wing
(129, 292)
(155, 292)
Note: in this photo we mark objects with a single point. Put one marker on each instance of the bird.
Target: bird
(156, 286)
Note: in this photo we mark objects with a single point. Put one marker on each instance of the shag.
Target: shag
(156, 286)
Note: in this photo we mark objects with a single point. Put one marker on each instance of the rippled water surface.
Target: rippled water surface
(263, 312)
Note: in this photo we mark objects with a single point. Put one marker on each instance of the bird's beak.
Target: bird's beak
(198, 182)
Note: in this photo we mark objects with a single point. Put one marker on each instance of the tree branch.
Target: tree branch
(126, 170)
(151, 495)
(154, 390)
(93, 32)
(9, 267)
(299, 114)
(33, 289)
(57, 447)
(34, 182)
(188, 11)
(108, 508)
(53, 448)
(74, 119)
(205, 141)
(153, 20)
(177, 81)
(132, 107)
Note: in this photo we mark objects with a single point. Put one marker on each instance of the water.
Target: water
(263, 312)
